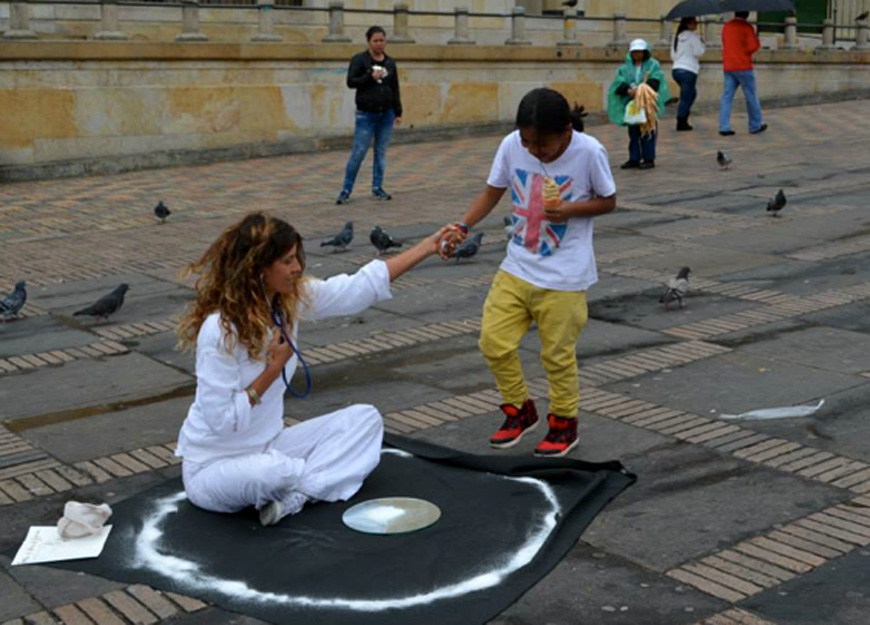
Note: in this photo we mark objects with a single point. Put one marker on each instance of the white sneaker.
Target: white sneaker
(274, 511)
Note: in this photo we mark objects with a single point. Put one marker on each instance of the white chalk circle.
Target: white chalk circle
(391, 515)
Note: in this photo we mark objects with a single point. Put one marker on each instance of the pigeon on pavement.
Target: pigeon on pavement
(723, 159)
(106, 305)
(382, 241)
(777, 203)
(677, 288)
(341, 240)
(468, 248)
(161, 211)
(13, 303)
(862, 17)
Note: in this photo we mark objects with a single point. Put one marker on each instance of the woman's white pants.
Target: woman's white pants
(326, 458)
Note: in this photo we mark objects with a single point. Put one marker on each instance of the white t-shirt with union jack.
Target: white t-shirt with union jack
(545, 254)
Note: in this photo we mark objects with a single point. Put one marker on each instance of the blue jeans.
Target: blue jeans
(641, 147)
(366, 126)
(745, 80)
(688, 91)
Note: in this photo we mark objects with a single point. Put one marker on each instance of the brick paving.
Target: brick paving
(64, 233)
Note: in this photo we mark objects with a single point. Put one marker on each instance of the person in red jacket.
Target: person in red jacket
(739, 43)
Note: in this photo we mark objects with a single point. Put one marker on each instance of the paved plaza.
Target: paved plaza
(753, 522)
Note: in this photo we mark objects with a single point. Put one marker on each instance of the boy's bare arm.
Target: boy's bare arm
(482, 205)
(479, 209)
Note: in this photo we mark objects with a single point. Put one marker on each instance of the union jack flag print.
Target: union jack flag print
(531, 228)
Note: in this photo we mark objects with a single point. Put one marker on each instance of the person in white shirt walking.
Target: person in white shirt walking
(250, 296)
(685, 53)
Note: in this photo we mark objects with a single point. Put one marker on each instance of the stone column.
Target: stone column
(712, 38)
(461, 34)
(620, 39)
(110, 28)
(400, 24)
(827, 35)
(518, 28)
(190, 22)
(665, 28)
(569, 38)
(790, 42)
(862, 38)
(336, 24)
(266, 14)
(19, 21)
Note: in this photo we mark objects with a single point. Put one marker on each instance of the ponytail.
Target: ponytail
(577, 115)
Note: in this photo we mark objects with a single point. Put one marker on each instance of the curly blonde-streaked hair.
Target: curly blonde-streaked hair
(230, 282)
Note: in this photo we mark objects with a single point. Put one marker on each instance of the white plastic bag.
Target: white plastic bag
(634, 114)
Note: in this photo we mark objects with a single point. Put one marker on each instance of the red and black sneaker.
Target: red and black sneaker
(517, 422)
(561, 438)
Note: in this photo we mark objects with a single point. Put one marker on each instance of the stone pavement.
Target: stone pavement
(752, 522)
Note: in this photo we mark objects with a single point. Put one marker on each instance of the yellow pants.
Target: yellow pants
(510, 308)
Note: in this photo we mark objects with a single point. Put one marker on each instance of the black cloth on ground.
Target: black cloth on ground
(307, 567)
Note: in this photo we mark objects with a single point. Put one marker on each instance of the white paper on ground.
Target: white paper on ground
(776, 413)
(44, 544)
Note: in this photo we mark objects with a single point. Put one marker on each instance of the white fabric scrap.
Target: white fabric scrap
(82, 519)
(776, 413)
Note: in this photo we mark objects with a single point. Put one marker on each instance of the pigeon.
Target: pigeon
(13, 303)
(468, 248)
(863, 16)
(777, 203)
(570, 3)
(677, 288)
(382, 241)
(723, 159)
(106, 305)
(161, 211)
(341, 240)
(509, 228)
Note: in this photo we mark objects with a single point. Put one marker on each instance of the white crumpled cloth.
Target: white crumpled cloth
(82, 519)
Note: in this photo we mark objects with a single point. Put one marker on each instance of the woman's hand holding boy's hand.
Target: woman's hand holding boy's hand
(451, 236)
(435, 243)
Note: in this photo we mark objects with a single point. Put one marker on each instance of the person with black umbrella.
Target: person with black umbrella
(739, 43)
(685, 53)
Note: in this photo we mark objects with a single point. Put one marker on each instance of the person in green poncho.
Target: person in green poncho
(639, 66)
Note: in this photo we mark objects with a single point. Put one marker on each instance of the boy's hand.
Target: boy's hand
(557, 214)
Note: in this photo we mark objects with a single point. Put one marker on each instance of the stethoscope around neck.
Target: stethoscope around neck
(281, 324)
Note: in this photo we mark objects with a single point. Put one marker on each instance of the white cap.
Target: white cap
(637, 44)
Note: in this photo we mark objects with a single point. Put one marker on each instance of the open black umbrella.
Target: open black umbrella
(692, 8)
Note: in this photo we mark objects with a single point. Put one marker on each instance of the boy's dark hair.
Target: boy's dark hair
(375, 30)
(547, 111)
(743, 14)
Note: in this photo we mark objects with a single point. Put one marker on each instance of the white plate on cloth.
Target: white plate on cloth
(391, 515)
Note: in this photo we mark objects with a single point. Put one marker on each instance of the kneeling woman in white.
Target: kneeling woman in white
(237, 452)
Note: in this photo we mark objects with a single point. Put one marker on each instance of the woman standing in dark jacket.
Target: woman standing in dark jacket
(378, 106)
